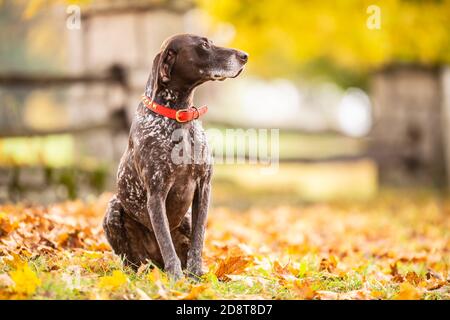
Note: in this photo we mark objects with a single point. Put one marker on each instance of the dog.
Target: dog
(159, 212)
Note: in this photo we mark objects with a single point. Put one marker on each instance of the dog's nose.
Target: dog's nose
(243, 56)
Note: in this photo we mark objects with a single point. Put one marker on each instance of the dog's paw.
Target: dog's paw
(194, 270)
(174, 272)
(195, 275)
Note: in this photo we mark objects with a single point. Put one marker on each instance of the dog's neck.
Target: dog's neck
(172, 96)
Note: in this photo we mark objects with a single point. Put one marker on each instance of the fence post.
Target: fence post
(407, 135)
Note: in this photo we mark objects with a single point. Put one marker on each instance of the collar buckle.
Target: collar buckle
(177, 115)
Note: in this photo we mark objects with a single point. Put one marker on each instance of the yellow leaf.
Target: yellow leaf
(408, 292)
(157, 278)
(195, 292)
(114, 281)
(377, 294)
(93, 254)
(25, 280)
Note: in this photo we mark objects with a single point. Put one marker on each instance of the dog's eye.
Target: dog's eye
(205, 45)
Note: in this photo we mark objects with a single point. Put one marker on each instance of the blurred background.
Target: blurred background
(360, 91)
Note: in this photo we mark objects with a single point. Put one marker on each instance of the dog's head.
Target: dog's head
(188, 60)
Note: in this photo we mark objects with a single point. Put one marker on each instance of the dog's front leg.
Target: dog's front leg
(160, 224)
(199, 214)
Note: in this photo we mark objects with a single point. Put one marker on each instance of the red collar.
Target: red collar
(182, 115)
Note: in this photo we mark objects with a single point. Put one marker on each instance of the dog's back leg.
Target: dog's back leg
(114, 227)
(135, 243)
(128, 238)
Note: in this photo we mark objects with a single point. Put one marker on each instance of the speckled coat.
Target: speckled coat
(150, 218)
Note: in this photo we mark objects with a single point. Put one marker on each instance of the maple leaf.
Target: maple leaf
(408, 292)
(283, 274)
(114, 281)
(397, 277)
(328, 264)
(413, 278)
(232, 265)
(304, 290)
(25, 280)
(6, 224)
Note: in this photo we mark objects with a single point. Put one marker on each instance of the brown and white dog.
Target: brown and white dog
(150, 218)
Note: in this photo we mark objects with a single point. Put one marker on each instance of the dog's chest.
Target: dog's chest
(170, 148)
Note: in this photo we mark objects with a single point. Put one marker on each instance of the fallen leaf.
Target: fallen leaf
(328, 264)
(25, 280)
(158, 279)
(283, 273)
(408, 292)
(195, 292)
(304, 290)
(232, 265)
(114, 281)
(413, 278)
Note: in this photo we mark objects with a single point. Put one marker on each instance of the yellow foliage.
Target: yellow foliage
(114, 281)
(378, 243)
(280, 35)
(25, 280)
(34, 6)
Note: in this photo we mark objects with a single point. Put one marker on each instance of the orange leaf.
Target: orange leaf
(328, 264)
(413, 278)
(195, 292)
(408, 292)
(232, 265)
(303, 290)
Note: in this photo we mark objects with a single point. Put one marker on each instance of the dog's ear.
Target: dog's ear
(161, 70)
(153, 78)
(167, 60)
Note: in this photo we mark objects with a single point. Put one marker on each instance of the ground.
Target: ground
(393, 246)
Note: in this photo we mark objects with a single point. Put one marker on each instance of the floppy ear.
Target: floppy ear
(153, 78)
(167, 60)
(161, 70)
